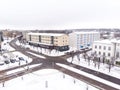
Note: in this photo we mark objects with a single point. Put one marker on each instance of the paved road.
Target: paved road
(88, 80)
(49, 62)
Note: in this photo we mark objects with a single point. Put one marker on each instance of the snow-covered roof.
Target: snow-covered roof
(82, 32)
(108, 41)
(46, 34)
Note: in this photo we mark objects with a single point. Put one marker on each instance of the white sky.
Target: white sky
(59, 14)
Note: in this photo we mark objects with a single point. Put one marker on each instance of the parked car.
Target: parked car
(1, 63)
(6, 62)
(4, 56)
(21, 58)
(12, 60)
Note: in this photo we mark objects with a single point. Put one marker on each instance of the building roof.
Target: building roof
(108, 41)
(82, 32)
(46, 34)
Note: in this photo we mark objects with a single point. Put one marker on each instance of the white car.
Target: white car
(1, 63)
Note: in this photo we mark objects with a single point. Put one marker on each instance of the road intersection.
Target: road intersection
(50, 62)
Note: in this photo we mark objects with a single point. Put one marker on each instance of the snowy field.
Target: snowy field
(47, 79)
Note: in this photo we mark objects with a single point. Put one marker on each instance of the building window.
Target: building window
(39, 38)
(95, 52)
(103, 53)
(109, 54)
(99, 53)
(52, 39)
(95, 46)
(99, 47)
(30, 37)
(109, 48)
(104, 47)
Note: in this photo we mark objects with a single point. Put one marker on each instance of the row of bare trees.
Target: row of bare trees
(96, 59)
(23, 42)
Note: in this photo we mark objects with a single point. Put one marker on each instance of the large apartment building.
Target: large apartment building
(80, 40)
(108, 48)
(49, 40)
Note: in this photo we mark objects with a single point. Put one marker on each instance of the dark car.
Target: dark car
(4, 56)
(12, 60)
(21, 58)
(6, 62)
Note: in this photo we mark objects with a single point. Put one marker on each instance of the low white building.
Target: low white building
(80, 40)
(108, 48)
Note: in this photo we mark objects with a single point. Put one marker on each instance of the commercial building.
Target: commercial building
(49, 40)
(108, 48)
(80, 40)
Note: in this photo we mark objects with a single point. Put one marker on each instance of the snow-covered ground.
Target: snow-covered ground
(5, 45)
(115, 71)
(47, 79)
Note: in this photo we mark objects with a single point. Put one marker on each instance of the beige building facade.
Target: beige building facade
(49, 40)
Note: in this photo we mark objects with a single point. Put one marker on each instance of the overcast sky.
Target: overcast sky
(59, 14)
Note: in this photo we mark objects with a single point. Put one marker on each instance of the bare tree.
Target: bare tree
(94, 61)
(104, 59)
(109, 64)
(99, 61)
(85, 56)
(89, 58)
(72, 56)
(78, 57)
(117, 55)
